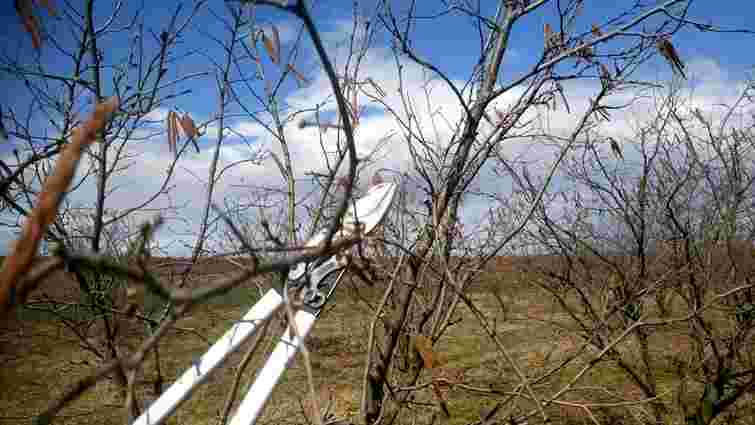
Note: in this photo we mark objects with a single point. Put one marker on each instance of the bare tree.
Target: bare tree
(655, 248)
(435, 255)
(446, 166)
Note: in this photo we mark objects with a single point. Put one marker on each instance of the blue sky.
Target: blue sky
(445, 40)
(449, 41)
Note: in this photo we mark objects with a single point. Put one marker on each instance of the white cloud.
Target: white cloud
(157, 115)
(434, 112)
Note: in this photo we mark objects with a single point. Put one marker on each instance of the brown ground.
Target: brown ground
(40, 357)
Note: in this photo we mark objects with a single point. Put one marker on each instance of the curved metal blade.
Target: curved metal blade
(362, 217)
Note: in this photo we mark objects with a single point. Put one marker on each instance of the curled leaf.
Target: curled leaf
(172, 131)
(547, 35)
(424, 348)
(376, 179)
(188, 126)
(169, 128)
(503, 119)
(551, 39)
(26, 13)
(176, 124)
(668, 51)
(190, 129)
(272, 51)
(354, 107)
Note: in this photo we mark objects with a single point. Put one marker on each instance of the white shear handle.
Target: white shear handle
(198, 373)
(252, 405)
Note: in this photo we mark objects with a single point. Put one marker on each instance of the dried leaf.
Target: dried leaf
(24, 8)
(596, 31)
(276, 42)
(424, 347)
(342, 183)
(440, 398)
(443, 381)
(354, 107)
(535, 359)
(169, 125)
(176, 125)
(188, 127)
(48, 4)
(173, 123)
(550, 38)
(190, 130)
(376, 179)
(668, 51)
(301, 80)
(253, 42)
(270, 47)
(547, 35)
(503, 119)
(45, 211)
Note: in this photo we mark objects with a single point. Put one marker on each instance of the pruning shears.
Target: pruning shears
(317, 280)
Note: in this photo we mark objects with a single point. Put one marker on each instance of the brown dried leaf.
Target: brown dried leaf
(376, 179)
(535, 359)
(45, 211)
(24, 8)
(354, 107)
(301, 80)
(424, 347)
(176, 125)
(188, 127)
(443, 381)
(190, 130)
(547, 35)
(171, 132)
(596, 31)
(48, 4)
(173, 125)
(441, 395)
(547, 31)
(270, 47)
(668, 51)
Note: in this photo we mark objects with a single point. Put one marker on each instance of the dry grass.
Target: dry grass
(40, 358)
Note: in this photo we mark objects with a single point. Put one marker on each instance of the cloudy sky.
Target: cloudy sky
(717, 65)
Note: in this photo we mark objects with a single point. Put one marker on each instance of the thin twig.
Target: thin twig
(83, 384)
(371, 339)
(44, 213)
(305, 357)
(240, 371)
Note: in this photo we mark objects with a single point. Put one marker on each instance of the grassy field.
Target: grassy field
(40, 358)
